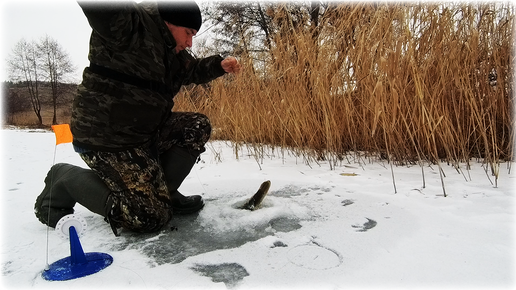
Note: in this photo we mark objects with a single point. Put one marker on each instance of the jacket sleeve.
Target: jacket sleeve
(110, 19)
(201, 70)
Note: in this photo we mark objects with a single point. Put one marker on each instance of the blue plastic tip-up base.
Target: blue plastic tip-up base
(78, 264)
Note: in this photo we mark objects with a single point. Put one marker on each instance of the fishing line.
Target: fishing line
(199, 180)
(197, 174)
(49, 206)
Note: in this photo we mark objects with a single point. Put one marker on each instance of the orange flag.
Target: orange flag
(63, 133)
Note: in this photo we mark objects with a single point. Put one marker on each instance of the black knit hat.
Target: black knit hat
(181, 13)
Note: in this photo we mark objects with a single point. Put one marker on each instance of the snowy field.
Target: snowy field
(318, 228)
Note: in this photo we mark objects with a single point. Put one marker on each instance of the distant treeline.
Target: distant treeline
(18, 110)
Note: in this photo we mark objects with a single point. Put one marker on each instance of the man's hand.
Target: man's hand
(230, 65)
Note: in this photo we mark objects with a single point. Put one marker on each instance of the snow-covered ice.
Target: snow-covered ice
(330, 229)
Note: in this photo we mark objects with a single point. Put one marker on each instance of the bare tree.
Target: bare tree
(253, 29)
(24, 67)
(31, 63)
(55, 66)
(240, 28)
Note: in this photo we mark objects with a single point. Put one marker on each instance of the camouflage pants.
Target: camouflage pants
(141, 200)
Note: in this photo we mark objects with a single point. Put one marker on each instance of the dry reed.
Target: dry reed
(411, 83)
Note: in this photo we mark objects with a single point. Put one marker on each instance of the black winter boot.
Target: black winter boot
(66, 185)
(177, 163)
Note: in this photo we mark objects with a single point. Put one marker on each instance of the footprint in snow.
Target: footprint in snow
(228, 273)
(347, 202)
(366, 226)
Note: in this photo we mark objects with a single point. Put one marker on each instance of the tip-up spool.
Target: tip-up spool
(78, 264)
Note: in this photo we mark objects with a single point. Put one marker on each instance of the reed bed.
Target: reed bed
(409, 83)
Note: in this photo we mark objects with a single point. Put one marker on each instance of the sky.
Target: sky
(62, 20)
(33, 20)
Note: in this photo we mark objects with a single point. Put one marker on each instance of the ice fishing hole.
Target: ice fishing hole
(314, 257)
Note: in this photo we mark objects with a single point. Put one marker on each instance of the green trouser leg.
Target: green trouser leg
(177, 163)
(66, 185)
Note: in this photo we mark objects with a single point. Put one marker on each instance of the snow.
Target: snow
(323, 228)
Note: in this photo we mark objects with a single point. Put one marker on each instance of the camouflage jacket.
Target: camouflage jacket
(131, 39)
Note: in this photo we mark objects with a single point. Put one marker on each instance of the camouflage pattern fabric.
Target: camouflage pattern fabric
(120, 126)
(131, 39)
(140, 197)
(185, 129)
(141, 200)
